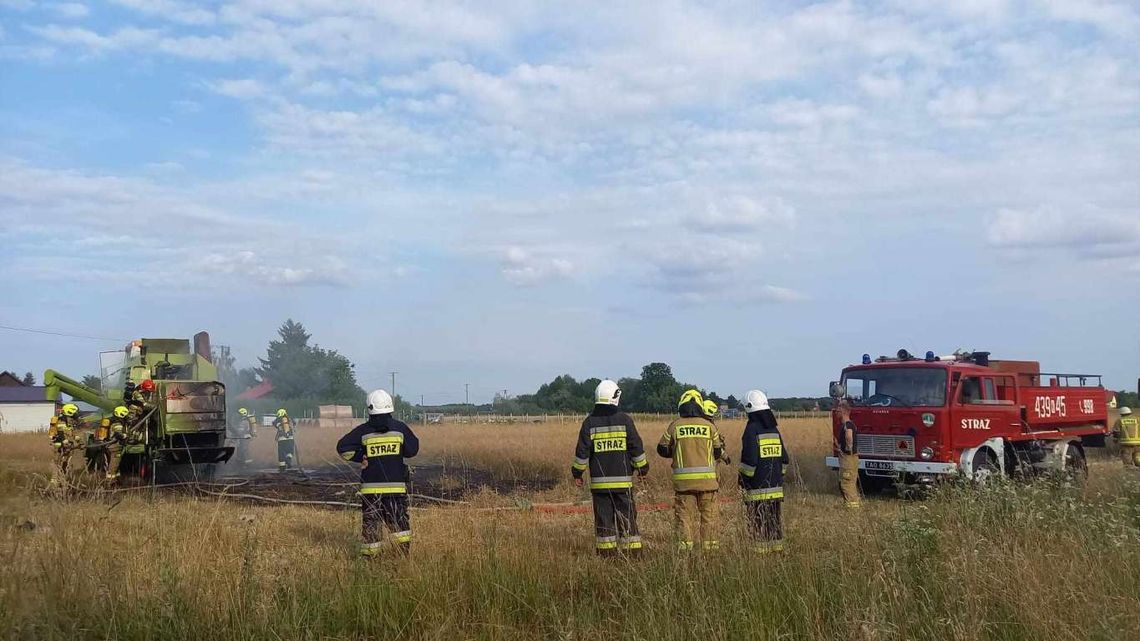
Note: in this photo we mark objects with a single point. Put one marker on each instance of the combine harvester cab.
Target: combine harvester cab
(184, 426)
(921, 419)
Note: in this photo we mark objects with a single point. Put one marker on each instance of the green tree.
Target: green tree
(93, 381)
(307, 374)
(656, 391)
(246, 378)
(29, 378)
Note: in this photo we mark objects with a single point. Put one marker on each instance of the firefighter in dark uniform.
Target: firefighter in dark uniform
(286, 445)
(116, 439)
(380, 446)
(611, 449)
(763, 458)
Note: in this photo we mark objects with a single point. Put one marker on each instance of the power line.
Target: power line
(64, 334)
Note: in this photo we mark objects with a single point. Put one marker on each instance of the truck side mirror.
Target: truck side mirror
(837, 390)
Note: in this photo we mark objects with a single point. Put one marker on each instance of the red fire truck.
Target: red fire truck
(919, 419)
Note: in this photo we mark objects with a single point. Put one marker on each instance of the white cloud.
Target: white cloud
(1087, 231)
(1109, 16)
(740, 214)
(522, 267)
(196, 243)
(881, 86)
(241, 88)
(180, 12)
(71, 10)
(972, 106)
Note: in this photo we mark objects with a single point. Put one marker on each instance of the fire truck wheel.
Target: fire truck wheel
(985, 467)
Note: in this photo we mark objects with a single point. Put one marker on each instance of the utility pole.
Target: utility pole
(467, 392)
(423, 411)
(394, 384)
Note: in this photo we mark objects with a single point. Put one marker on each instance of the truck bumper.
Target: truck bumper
(888, 467)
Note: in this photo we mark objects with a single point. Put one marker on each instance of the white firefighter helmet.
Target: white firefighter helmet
(1126, 411)
(755, 400)
(380, 402)
(607, 393)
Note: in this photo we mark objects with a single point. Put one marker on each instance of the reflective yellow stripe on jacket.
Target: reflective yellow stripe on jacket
(611, 482)
(383, 488)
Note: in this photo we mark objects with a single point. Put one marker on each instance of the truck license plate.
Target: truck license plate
(882, 466)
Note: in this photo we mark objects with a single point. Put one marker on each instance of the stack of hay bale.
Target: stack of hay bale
(337, 417)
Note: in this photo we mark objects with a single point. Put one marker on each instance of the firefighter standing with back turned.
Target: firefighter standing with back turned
(1127, 433)
(286, 446)
(611, 449)
(380, 446)
(848, 448)
(694, 444)
(762, 461)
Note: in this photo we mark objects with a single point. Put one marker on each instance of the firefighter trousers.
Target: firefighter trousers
(62, 463)
(285, 454)
(695, 513)
(380, 512)
(849, 479)
(765, 524)
(1130, 455)
(242, 452)
(114, 460)
(615, 522)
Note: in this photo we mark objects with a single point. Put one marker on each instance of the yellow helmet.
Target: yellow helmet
(242, 411)
(121, 412)
(691, 395)
(69, 409)
(282, 413)
(711, 408)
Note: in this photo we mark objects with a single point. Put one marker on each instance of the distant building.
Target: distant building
(24, 408)
(8, 379)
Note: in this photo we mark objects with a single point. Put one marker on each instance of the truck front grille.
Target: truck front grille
(871, 445)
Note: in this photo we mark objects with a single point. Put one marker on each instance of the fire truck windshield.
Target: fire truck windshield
(897, 386)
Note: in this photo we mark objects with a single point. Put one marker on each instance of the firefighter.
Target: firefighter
(846, 441)
(712, 408)
(246, 430)
(610, 448)
(694, 445)
(1127, 434)
(763, 458)
(286, 447)
(116, 438)
(139, 400)
(64, 439)
(380, 446)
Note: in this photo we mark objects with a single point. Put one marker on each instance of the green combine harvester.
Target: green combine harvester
(184, 430)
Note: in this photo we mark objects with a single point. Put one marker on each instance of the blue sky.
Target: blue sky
(497, 193)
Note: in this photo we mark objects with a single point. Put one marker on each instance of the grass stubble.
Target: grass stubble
(1013, 561)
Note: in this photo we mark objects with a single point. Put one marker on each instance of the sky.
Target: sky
(495, 193)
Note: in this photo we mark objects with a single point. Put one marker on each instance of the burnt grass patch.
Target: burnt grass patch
(339, 484)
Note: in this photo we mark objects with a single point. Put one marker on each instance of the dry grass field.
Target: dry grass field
(1014, 561)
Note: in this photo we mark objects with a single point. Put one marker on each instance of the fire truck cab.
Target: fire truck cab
(919, 419)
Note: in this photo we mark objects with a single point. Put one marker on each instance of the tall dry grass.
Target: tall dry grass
(1015, 561)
